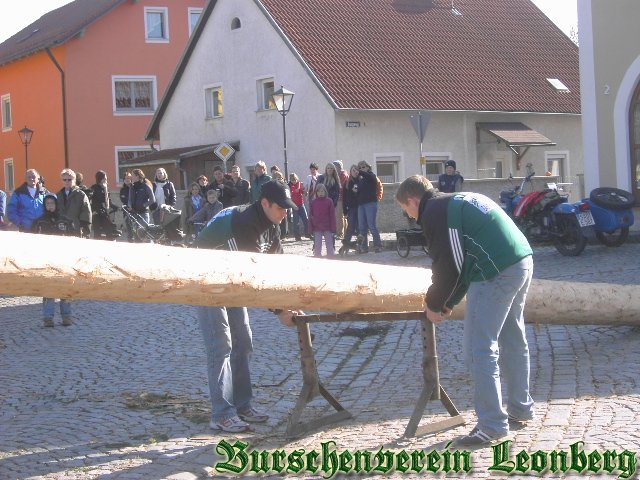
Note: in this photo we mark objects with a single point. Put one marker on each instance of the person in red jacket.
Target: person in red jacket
(322, 221)
(299, 215)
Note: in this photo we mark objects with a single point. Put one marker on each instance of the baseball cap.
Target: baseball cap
(277, 192)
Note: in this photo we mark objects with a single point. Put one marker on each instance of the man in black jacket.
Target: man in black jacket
(226, 331)
(243, 188)
(451, 180)
(224, 185)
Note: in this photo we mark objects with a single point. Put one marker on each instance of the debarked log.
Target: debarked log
(72, 268)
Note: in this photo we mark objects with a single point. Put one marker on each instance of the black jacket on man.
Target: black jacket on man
(243, 192)
(226, 194)
(367, 187)
(245, 228)
(141, 197)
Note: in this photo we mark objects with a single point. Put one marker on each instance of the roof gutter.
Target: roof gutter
(64, 105)
(296, 54)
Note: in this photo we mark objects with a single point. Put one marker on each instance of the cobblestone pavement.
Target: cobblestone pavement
(122, 393)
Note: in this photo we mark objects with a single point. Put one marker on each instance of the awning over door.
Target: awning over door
(174, 155)
(190, 161)
(517, 136)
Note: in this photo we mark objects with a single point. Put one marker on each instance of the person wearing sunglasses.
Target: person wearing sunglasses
(73, 203)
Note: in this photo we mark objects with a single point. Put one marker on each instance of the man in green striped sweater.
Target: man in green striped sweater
(479, 252)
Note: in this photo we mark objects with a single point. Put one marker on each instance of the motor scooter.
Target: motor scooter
(612, 213)
(548, 217)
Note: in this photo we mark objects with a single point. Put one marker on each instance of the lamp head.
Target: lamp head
(25, 135)
(283, 98)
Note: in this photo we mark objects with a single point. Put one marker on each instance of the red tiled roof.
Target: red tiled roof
(416, 54)
(54, 28)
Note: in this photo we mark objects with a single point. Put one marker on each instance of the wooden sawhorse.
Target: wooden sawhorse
(312, 387)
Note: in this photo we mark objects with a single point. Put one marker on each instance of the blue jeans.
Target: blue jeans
(494, 331)
(227, 341)
(298, 216)
(48, 307)
(367, 221)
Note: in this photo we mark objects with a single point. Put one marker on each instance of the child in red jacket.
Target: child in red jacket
(322, 221)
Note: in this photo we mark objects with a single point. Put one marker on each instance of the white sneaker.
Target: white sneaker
(230, 425)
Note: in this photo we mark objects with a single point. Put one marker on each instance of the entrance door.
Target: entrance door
(634, 133)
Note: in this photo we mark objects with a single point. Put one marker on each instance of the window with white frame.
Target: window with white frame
(265, 92)
(434, 165)
(9, 181)
(555, 164)
(433, 170)
(194, 16)
(6, 112)
(213, 101)
(156, 24)
(125, 156)
(134, 95)
(387, 168)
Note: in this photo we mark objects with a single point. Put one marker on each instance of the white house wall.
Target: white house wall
(610, 72)
(454, 134)
(235, 60)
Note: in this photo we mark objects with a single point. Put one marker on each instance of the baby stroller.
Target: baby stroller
(166, 233)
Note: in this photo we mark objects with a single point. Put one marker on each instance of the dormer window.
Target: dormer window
(558, 85)
(236, 23)
(156, 24)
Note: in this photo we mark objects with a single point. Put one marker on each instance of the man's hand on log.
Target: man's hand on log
(286, 317)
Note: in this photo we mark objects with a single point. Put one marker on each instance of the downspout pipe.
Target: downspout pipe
(64, 106)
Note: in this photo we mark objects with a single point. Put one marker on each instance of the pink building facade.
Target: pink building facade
(89, 98)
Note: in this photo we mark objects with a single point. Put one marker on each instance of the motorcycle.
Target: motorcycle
(613, 214)
(548, 217)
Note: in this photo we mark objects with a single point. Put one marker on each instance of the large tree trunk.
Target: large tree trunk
(62, 267)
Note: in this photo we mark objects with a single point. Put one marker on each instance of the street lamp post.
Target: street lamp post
(25, 138)
(283, 98)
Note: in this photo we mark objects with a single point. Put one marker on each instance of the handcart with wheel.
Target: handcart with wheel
(410, 237)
